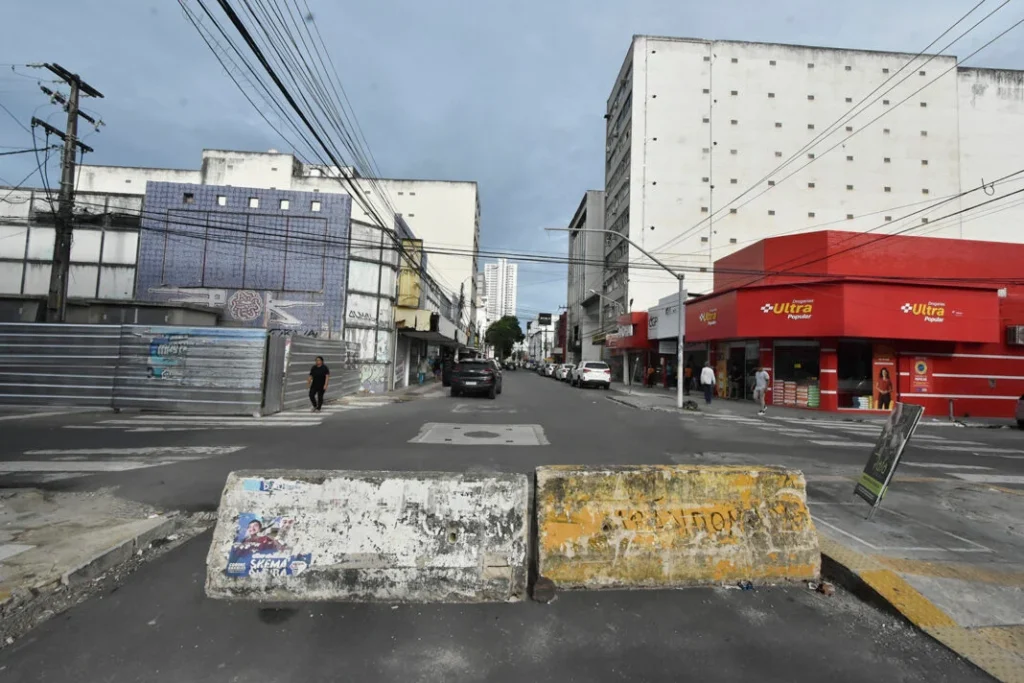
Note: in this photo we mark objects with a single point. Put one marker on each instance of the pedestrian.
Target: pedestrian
(650, 376)
(319, 378)
(424, 368)
(761, 389)
(707, 382)
(688, 382)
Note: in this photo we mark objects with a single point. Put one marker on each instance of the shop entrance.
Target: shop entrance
(854, 389)
(797, 370)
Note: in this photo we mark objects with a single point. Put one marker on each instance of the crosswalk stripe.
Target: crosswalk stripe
(205, 451)
(943, 466)
(851, 444)
(990, 478)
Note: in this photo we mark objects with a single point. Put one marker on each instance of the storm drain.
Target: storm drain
(481, 435)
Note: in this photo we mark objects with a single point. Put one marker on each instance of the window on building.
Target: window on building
(885, 70)
(734, 93)
(924, 133)
(810, 98)
(128, 181)
(188, 198)
(921, 73)
(924, 220)
(887, 189)
(285, 204)
(771, 96)
(924, 104)
(314, 206)
(400, 194)
(703, 269)
(886, 131)
(273, 168)
(413, 194)
(704, 240)
(810, 185)
(887, 160)
(706, 91)
(705, 120)
(849, 68)
(885, 103)
(849, 99)
(849, 129)
(778, 154)
(733, 210)
(771, 212)
(888, 219)
(733, 152)
(849, 187)
(707, 58)
(810, 214)
(849, 158)
(771, 183)
(733, 181)
(778, 124)
(810, 65)
(810, 126)
(734, 122)
(771, 62)
(705, 179)
(849, 216)
(703, 209)
(254, 202)
(924, 162)
(706, 150)
(412, 215)
(924, 190)
(810, 155)
(732, 240)
(735, 60)
(222, 200)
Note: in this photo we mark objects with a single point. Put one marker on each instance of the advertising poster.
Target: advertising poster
(883, 373)
(886, 455)
(261, 548)
(921, 376)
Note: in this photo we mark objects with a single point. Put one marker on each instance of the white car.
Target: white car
(549, 370)
(562, 372)
(592, 373)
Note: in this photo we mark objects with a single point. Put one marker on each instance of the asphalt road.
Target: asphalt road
(159, 626)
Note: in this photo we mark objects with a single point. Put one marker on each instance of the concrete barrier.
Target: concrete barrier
(370, 537)
(671, 526)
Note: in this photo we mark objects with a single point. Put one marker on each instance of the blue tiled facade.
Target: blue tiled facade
(281, 264)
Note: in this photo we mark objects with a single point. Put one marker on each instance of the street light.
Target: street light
(605, 298)
(682, 298)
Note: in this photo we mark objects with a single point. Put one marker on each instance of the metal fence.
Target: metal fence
(191, 369)
(300, 355)
(58, 365)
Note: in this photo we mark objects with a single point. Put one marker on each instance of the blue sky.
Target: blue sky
(508, 94)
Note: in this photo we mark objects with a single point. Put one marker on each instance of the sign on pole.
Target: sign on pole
(543, 318)
(898, 429)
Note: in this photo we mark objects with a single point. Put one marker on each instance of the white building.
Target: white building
(501, 281)
(444, 214)
(692, 125)
(540, 339)
(586, 254)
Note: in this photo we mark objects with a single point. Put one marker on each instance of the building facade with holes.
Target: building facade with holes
(696, 131)
(846, 316)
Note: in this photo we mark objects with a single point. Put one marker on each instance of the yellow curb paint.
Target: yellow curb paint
(918, 609)
(1007, 637)
(1004, 665)
(945, 570)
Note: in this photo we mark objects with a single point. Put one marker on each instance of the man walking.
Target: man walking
(761, 389)
(319, 378)
(707, 382)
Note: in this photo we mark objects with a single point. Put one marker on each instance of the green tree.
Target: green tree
(503, 335)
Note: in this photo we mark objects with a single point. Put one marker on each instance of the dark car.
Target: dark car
(476, 376)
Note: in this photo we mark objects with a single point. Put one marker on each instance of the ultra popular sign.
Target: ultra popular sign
(709, 317)
(797, 309)
(931, 312)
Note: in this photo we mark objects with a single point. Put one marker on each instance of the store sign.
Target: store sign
(625, 331)
(612, 341)
(921, 376)
(930, 312)
(709, 317)
(543, 318)
(796, 309)
(663, 321)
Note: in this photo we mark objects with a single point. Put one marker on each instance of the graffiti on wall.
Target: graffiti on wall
(373, 377)
(252, 308)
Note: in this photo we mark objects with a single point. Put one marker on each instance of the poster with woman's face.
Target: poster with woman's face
(883, 371)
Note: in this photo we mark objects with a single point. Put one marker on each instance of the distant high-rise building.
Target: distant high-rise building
(500, 281)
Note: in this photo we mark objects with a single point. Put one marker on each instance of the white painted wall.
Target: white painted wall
(586, 251)
(710, 119)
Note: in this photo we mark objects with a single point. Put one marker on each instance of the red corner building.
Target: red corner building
(855, 321)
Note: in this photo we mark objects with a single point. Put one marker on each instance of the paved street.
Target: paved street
(160, 627)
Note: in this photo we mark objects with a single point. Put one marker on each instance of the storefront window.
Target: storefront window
(855, 374)
(797, 368)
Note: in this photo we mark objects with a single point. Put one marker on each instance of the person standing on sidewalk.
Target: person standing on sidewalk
(319, 378)
(424, 369)
(761, 389)
(707, 382)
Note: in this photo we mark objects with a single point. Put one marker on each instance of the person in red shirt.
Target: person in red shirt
(884, 390)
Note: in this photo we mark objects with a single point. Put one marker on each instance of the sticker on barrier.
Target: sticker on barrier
(670, 526)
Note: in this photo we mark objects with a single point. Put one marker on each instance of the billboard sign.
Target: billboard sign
(886, 455)
(543, 318)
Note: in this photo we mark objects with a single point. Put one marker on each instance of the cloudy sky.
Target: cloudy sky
(508, 94)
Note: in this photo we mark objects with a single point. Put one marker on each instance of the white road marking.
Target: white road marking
(205, 451)
(52, 413)
(11, 549)
(851, 444)
(89, 466)
(943, 466)
(990, 478)
(981, 450)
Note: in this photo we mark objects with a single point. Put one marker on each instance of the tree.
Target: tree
(503, 335)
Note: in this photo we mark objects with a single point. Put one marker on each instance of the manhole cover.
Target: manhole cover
(482, 435)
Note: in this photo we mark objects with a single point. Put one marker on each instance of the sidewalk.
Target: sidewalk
(660, 398)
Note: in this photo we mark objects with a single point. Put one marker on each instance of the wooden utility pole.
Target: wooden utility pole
(57, 300)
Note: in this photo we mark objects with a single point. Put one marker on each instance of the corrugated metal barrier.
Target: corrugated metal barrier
(59, 365)
(301, 354)
(191, 369)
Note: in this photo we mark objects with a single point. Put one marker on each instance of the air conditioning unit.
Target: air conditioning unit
(1015, 335)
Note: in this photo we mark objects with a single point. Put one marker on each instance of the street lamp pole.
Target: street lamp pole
(681, 301)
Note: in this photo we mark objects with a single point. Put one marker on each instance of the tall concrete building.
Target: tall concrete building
(585, 326)
(501, 282)
(697, 131)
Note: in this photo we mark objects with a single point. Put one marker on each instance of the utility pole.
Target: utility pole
(57, 300)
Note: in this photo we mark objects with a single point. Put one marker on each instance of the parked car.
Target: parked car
(593, 373)
(1020, 412)
(476, 376)
(562, 372)
(549, 369)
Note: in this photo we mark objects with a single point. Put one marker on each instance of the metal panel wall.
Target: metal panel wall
(338, 356)
(278, 347)
(61, 365)
(191, 369)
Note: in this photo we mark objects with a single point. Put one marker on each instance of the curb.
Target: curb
(117, 554)
(871, 581)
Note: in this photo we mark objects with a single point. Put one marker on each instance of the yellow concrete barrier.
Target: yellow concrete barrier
(667, 526)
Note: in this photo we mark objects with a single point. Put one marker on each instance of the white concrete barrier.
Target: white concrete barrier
(294, 535)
